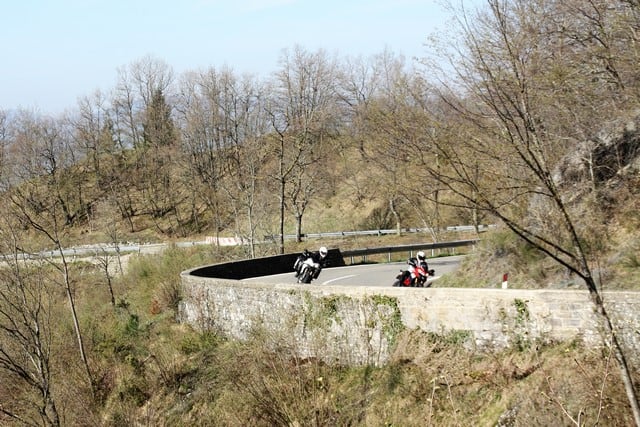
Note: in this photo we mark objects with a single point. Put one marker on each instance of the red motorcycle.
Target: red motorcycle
(416, 276)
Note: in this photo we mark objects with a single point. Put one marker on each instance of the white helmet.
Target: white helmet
(323, 251)
(421, 256)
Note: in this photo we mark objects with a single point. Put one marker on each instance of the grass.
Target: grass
(431, 380)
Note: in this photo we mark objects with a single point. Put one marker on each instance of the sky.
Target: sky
(57, 51)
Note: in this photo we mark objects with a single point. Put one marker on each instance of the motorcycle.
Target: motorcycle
(306, 268)
(416, 277)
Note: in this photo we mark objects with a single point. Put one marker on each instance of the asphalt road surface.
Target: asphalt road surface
(381, 275)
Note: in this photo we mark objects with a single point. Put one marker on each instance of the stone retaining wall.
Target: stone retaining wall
(358, 325)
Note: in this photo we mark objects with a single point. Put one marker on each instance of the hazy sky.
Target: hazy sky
(54, 51)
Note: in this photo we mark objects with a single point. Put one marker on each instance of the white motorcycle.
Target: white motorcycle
(306, 268)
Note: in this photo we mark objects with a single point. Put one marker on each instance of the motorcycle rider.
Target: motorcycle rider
(420, 259)
(318, 257)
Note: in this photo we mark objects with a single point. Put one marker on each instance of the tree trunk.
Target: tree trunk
(618, 352)
(392, 207)
(298, 228)
(74, 315)
(282, 184)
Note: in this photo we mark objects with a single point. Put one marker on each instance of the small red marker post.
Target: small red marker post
(505, 279)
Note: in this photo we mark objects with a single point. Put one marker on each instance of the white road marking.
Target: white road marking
(338, 278)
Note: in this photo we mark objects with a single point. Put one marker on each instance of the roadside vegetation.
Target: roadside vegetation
(149, 369)
(524, 116)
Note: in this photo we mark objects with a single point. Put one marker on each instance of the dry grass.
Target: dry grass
(430, 381)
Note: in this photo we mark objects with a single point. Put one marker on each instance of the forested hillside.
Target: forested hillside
(326, 143)
(525, 115)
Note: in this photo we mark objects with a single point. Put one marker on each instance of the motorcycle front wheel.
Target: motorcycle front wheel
(305, 277)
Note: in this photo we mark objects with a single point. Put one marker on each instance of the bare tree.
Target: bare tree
(4, 141)
(155, 159)
(394, 140)
(25, 336)
(37, 198)
(93, 132)
(206, 109)
(43, 147)
(302, 115)
(109, 257)
(223, 130)
(244, 183)
(25, 321)
(307, 180)
(137, 86)
(45, 222)
(508, 131)
(142, 124)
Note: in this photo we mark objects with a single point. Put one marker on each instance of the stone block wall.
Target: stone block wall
(358, 325)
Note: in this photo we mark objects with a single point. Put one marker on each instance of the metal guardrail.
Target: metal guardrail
(380, 232)
(405, 248)
(103, 249)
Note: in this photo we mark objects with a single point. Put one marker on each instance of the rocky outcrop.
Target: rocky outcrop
(613, 154)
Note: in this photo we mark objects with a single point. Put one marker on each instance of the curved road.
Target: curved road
(380, 275)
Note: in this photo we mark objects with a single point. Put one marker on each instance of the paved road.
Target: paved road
(381, 275)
